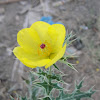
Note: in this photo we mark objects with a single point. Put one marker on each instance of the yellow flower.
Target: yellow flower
(41, 44)
(97, 69)
(77, 62)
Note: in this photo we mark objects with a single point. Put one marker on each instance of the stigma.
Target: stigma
(42, 46)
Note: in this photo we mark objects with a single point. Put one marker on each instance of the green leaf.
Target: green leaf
(31, 76)
(68, 64)
(24, 98)
(56, 66)
(11, 98)
(79, 86)
(68, 38)
(27, 81)
(42, 74)
(77, 94)
(34, 93)
(47, 98)
(50, 86)
(19, 98)
(55, 77)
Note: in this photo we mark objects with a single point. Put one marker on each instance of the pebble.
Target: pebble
(1, 18)
(78, 44)
(2, 10)
(17, 18)
(83, 27)
(9, 51)
(23, 3)
(72, 50)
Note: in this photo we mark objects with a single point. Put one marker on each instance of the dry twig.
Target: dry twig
(9, 1)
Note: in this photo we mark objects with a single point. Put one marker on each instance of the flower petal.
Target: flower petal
(56, 33)
(41, 28)
(28, 39)
(57, 57)
(28, 59)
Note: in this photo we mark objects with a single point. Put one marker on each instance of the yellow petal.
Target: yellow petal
(57, 57)
(28, 39)
(56, 33)
(41, 28)
(28, 59)
(34, 64)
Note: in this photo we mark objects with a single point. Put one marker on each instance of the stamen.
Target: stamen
(42, 46)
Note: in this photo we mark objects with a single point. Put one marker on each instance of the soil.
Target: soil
(80, 16)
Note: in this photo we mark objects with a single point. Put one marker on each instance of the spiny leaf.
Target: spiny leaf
(24, 98)
(55, 77)
(68, 64)
(56, 66)
(11, 98)
(35, 93)
(79, 86)
(77, 94)
(68, 38)
(49, 86)
(31, 76)
(46, 98)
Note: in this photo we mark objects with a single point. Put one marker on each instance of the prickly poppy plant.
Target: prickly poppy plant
(43, 45)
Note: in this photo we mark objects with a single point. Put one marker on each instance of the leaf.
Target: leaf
(24, 98)
(31, 76)
(47, 98)
(11, 98)
(79, 85)
(35, 93)
(54, 76)
(56, 66)
(50, 86)
(27, 81)
(47, 75)
(77, 94)
(68, 38)
(68, 64)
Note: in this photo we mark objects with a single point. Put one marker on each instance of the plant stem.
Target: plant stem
(49, 78)
(50, 70)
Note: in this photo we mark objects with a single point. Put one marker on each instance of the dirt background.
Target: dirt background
(80, 16)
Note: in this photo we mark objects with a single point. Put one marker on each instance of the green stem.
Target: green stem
(50, 70)
(48, 92)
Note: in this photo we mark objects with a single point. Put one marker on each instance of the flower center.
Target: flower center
(42, 46)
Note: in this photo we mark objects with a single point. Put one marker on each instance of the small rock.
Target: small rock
(24, 9)
(9, 51)
(78, 44)
(2, 90)
(59, 3)
(83, 27)
(72, 50)
(23, 3)
(2, 10)
(17, 18)
(1, 18)
(31, 17)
